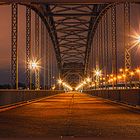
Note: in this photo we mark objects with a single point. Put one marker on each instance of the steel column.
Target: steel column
(14, 50)
(127, 34)
(37, 51)
(114, 42)
(97, 60)
(106, 47)
(28, 46)
(43, 53)
(48, 61)
(114, 46)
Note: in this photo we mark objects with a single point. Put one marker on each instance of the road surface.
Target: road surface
(70, 114)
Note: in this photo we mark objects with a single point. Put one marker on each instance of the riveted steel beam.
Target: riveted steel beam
(114, 41)
(14, 45)
(67, 2)
(28, 46)
(127, 34)
(37, 51)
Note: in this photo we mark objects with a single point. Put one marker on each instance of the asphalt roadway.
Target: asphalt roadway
(70, 114)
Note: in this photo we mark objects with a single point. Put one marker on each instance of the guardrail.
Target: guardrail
(8, 97)
(127, 96)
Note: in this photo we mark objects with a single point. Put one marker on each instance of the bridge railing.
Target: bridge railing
(10, 97)
(127, 96)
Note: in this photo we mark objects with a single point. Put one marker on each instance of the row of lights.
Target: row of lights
(35, 66)
(109, 78)
(125, 73)
(64, 84)
(83, 83)
(97, 73)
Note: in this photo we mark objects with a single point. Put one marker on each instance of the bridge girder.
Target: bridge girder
(71, 26)
(68, 1)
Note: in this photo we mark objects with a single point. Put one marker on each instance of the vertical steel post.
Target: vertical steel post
(48, 61)
(28, 46)
(127, 34)
(114, 42)
(14, 50)
(37, 51)
(106, 47)
(51, 66)
(43, 53)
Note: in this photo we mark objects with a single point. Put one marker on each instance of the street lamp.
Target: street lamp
(131, 74)
(97, 74)
(34, 65)
(136, 42)
(60, 83)
(138, 72)
(124, 75)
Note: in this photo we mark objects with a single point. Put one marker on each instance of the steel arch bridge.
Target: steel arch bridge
(71, 26)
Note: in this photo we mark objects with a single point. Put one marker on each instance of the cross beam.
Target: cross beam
(68, 1)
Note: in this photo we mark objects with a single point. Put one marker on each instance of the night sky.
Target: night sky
(5, 40)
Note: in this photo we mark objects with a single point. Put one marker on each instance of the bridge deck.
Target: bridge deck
(70, 114)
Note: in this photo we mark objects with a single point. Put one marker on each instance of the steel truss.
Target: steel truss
(43, 54)
(106, 43)
(114, 42)
(14, 51)
(28, 46)
(72, 24)
(127, 35)
(69, 27)
(94, 21)
(37, 51)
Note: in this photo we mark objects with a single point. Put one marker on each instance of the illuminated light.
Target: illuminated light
(111, 80)
(138, 39)
(124, 75)
(119, 77)
(111, 75)
(53, 87)
(88, 79)
(60, 81)
(121, 70)
(126, 70)
(65, 84)
(84, 82)
(93, 85)
(34, 65)
(103, 78)
(114, 78)
(138, 70)
(98, 72)
(132, 73)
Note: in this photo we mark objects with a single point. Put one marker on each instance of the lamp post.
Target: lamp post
(124, 75)
(131, 75)
(60, 83)
(97, 74)
(138, 72)
(34, 65)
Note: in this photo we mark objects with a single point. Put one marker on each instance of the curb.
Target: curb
(20, 104)
(123, 105)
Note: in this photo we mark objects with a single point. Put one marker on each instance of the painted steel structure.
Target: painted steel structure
(71, 26)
